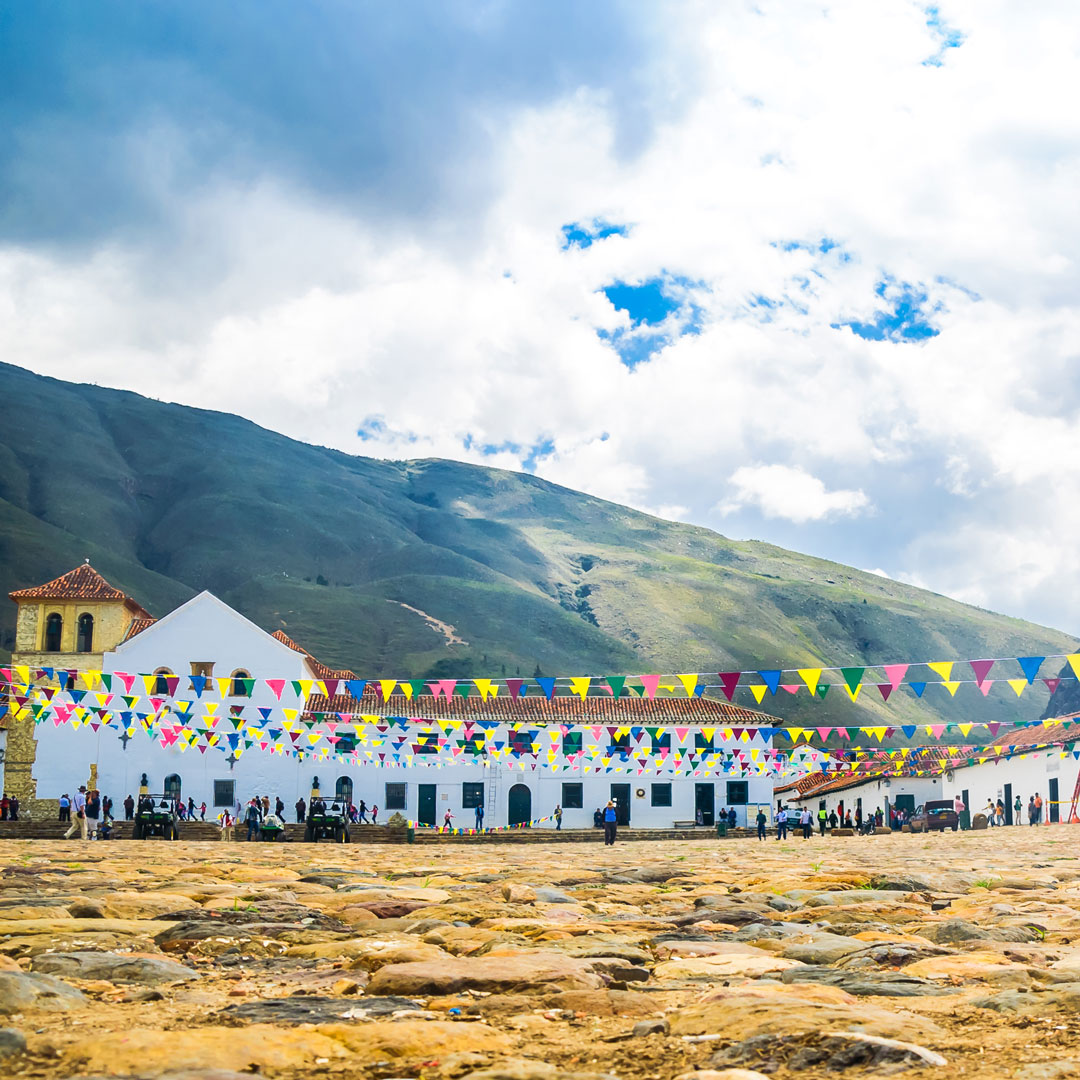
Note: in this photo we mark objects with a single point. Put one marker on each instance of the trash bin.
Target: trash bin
(721, 827)
(965, 819)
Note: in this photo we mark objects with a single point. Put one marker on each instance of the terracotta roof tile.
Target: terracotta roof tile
(82, 583)
(138, 626)
(535, 708)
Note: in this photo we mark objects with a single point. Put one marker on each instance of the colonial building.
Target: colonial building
(205, 643)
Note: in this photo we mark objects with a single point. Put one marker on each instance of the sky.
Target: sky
(800, 272)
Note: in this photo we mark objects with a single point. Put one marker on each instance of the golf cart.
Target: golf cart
(272, 829)
(155, 815)
(325, 823)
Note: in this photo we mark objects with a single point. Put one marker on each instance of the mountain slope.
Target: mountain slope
(381, 565)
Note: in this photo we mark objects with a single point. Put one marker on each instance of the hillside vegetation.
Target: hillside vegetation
(167, 500)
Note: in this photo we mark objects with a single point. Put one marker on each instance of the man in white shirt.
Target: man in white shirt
(78, 804)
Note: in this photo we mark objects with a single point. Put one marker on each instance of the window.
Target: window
(161, 683)
(395, 797)
(661, 794)
(619, 744)
(573, 796)
(54, 629)
(472, 795)
(343, 789)
(522, 741)
(661, 740)
(85, 642)
(738, 792)
(427, 742)
(346, 744)
(172, 787)
(703, 743)
(571, 743)
(224, 792)
(201, 669)
(242, 683)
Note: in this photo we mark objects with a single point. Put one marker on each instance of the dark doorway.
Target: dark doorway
(172, 787)
(343, 790)
(620, 796)
(85, 640)
(905, 803)
(704, 803)
(1008, 804)
(54, 629)
(425, 804)
(519, 805)
(1055, 810)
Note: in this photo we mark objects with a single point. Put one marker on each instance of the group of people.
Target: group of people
(9, 807)
(805, 818)
(995, 811)
(93, 818)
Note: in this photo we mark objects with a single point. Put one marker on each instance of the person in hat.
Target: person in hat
(78, 803)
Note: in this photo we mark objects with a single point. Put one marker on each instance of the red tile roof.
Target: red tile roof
(536, 708)
(320, 670)
(1063, 729)
(138, 626)
(82, 583)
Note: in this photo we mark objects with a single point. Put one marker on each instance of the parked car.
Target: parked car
(940, 814)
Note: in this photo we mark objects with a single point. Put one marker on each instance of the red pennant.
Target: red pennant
(728, 681)
(886, 689)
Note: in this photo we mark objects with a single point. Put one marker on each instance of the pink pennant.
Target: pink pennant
(981, 669)
(985, 685)
(650, 682)
(126, 679)
(824, 732)
(276, 685)
(790, 688)
(937, 730)
(443, 686)
(681, 732)
(895, 673)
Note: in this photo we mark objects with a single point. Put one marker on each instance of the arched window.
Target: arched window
(85, 641)
(161, 683)
(239, 687)
(172, 787)
(343, 789)
(54, 629)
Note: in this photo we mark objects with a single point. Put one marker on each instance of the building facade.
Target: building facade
(204, 651)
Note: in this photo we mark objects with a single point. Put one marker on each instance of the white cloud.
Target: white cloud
(795, 124)
(780, 491)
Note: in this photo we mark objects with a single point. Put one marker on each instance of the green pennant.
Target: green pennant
(822, 689)
(106, 680)
(616, 682)
(248, 684)
(298, 690)
(418, 686)
(852, 676)
(462, 689)
(638, 688)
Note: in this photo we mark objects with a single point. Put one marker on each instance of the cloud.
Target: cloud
(417, 236)
(780, 491)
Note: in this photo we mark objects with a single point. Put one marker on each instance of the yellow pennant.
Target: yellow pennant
(942, 668)
(1017, 685)
(579, 684)
(1074, 663)
(758, 690)
(965, 729)
(223, 686)
(386, 686)
(406, 689)
(810, 676)
(484, 686)
(689, 683)
(91, 678)
(853, 694)
(952, 687)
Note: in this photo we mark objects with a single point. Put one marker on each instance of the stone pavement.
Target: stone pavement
(946, 955)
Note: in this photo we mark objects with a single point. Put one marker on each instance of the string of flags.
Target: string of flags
(815, 682)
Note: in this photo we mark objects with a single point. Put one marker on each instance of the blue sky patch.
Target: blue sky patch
(530, 455)
(582, 236)
(947, 37)
(660, 311)
(906, 318)
(649, 303)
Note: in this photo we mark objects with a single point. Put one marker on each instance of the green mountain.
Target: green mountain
(425, 568)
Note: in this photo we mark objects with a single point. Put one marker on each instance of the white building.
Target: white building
(204, 657)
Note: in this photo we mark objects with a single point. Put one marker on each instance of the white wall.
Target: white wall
(874, 794)
(1027, 775)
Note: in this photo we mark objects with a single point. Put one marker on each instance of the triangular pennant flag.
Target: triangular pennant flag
(810, 676)
(579, 684)
(689, 683)
(1052, 684)
(547, 685)
(917, 688)
(616, 683)
(758, 690)
(886, 689)
(981, 669)
(942, 668)
(852, 678)
(985, 685)
(1030, 665)
(853, 694)
(728, 681)
(952, 687)
(1017, 685)
(823, 689)
(771, 679)
(514, 686)
(1074, 663)
(650, 682)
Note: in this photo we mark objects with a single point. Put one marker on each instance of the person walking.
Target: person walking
(202, 810)
(301, 808)
(781, 823)
(478, 810)
(558, 817)
(65, 807)
(1031, 810)
(279, 807)
(1018, 811)
(807, 822)
(374, 815)
(361, 813)
(225, 820)
(822, 818)
(129, 808)
(610, 818)
(93, 813)
(252, 819)
(762, 822)
(79, 824)
(447, 819)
